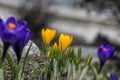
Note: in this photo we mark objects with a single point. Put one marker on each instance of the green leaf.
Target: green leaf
(84, 73)
(76, 62)
(52, 53)
(89, 59)
(9, 59)
(26, 56)
(1, 74)
(43, 47)
(12, 66)
(79, 51)
(19, 75)
(71, 54)
(95, 71)
(59, 55)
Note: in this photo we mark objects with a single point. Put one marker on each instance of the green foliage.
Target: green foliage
(25, 60)
(16, 71)
(74, 65)
(1, 74)
(55, 66)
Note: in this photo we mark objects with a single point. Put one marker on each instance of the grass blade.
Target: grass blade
(25, 59)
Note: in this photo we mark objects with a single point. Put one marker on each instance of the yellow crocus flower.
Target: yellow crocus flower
(48, 54)
(48, 35)
(65, 41)
(55, 46)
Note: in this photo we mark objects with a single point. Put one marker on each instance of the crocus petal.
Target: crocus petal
(104, 55)
(55, 46)
(11, 31)
(1, 20)
(48, 53)
(105, 52)
(20, 44)
(21, 23)
(65, 41)
(21, 27)
(48, 35)
(113, 76)
(9, 37)
(24, 39)
(42, 77)
(28, 36)
(2, 27)
(11, 20)
(15, 34)
(42, 33)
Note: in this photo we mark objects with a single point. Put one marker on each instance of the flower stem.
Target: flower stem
(75, 73)
(55, 69)
(69, 70)
(6, 46)
(101, 66)
(84, 72)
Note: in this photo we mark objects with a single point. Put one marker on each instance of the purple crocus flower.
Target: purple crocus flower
(43, 77)
(20, 44)
(10, 32)
(113, 76)
(105, 52)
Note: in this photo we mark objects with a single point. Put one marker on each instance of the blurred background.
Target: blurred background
(91, 22)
